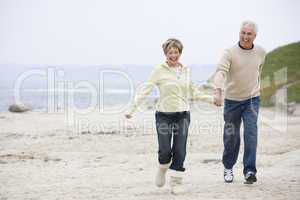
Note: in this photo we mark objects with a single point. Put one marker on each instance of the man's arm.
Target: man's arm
(220, 77)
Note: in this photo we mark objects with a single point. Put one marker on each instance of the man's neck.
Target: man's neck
(246, 48)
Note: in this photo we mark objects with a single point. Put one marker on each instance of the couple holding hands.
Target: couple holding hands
(237, 79)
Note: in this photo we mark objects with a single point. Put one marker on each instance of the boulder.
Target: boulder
(291, 108)
(19, 108)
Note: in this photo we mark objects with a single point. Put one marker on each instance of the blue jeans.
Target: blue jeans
(234, 113)
(172, 125)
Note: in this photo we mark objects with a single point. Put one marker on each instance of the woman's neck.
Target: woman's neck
(174, 65)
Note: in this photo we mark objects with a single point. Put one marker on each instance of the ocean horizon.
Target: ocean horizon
(109, 85)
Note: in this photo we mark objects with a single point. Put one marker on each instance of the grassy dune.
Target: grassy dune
(281, 61)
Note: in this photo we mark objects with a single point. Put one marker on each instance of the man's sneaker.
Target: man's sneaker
(228, 175)
(250, 177)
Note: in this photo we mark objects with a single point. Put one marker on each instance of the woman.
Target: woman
(172, 115)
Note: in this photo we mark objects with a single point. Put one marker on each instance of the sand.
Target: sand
(105, 156)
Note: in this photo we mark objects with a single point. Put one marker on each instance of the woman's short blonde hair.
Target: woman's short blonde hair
(172, 42)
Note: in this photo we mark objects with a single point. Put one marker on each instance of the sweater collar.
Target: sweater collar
(244, 48)
(165, 64)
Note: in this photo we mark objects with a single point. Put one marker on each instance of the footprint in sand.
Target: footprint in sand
(214, 161)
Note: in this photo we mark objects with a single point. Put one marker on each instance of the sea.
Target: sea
(51, 88)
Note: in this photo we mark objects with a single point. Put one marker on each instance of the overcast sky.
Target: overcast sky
(132, 31)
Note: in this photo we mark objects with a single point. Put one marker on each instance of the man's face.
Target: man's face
(247, 36)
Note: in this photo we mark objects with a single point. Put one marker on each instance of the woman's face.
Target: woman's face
(173, 56)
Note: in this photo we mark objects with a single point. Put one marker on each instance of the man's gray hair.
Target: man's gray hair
(251, 24)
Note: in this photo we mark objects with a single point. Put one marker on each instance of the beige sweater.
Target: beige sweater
(238, 72)
(174, 90)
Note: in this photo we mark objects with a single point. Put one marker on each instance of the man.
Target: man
(238, 74)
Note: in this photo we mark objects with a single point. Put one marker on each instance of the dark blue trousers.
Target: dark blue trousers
(234, 113)
(172, 131)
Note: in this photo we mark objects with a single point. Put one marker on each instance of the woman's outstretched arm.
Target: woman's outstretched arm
(141, 93)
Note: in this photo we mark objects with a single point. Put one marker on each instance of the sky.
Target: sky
(97, 32)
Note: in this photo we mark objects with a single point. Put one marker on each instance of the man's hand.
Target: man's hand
(218, 100)
(128, 116)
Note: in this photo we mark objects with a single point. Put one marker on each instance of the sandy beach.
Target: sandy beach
(105, 156)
